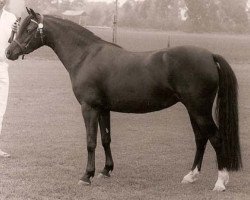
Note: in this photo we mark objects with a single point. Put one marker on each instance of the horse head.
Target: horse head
(30, 36)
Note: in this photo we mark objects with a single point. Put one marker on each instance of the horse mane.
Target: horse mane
(83, 32)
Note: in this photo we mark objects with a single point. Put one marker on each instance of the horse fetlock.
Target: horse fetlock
(109, 167)
(222, 181)
(106, 171)
(90, 174)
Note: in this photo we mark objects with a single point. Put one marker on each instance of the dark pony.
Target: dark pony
(105, 77)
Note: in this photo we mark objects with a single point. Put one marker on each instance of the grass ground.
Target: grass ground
(44, 132)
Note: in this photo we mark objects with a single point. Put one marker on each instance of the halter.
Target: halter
(39, 30)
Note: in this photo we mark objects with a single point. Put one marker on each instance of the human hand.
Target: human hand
(15, 26)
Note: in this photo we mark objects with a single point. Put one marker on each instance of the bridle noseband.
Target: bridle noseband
(39, 30)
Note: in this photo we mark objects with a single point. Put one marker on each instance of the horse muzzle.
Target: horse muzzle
(12, 53)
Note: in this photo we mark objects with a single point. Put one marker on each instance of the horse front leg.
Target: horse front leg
(90, 116)
(104, 122)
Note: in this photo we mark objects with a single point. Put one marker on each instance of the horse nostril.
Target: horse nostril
(8, 53)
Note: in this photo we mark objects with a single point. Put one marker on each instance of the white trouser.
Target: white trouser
(4, 90)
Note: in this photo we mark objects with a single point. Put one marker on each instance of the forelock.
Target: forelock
(25, 23)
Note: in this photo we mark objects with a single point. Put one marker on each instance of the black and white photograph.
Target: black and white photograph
(124, 99)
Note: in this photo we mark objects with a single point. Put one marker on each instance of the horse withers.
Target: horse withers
(106, 77)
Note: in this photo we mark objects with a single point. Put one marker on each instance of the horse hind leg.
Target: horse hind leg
(205, 129)
(223, 175)
(201, 142)
(210, 131)
(104, 123)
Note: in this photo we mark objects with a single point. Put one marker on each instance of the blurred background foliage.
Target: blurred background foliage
(171, 15)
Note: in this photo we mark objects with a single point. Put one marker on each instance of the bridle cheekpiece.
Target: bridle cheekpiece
(40, 31)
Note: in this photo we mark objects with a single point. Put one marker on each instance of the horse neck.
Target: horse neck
(68, 41)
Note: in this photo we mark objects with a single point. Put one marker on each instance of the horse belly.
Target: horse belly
(138, 104)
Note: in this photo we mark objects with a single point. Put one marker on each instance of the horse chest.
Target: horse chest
(89, 95)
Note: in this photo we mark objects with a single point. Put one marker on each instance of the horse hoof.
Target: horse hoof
(187, 180)
(101, 175)
(218, 188)
(184, 181)
(191, 177)
(85, 183)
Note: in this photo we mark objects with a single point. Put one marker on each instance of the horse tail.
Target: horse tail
(227, 115)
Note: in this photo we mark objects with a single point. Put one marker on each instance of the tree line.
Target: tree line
(184, 15)
(187, 15)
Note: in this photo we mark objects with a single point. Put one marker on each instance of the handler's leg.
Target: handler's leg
(4, 90)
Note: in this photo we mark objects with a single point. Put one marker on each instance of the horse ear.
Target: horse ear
(33, 13)
(28, 10)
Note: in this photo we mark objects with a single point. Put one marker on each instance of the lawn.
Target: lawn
(44, 132)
